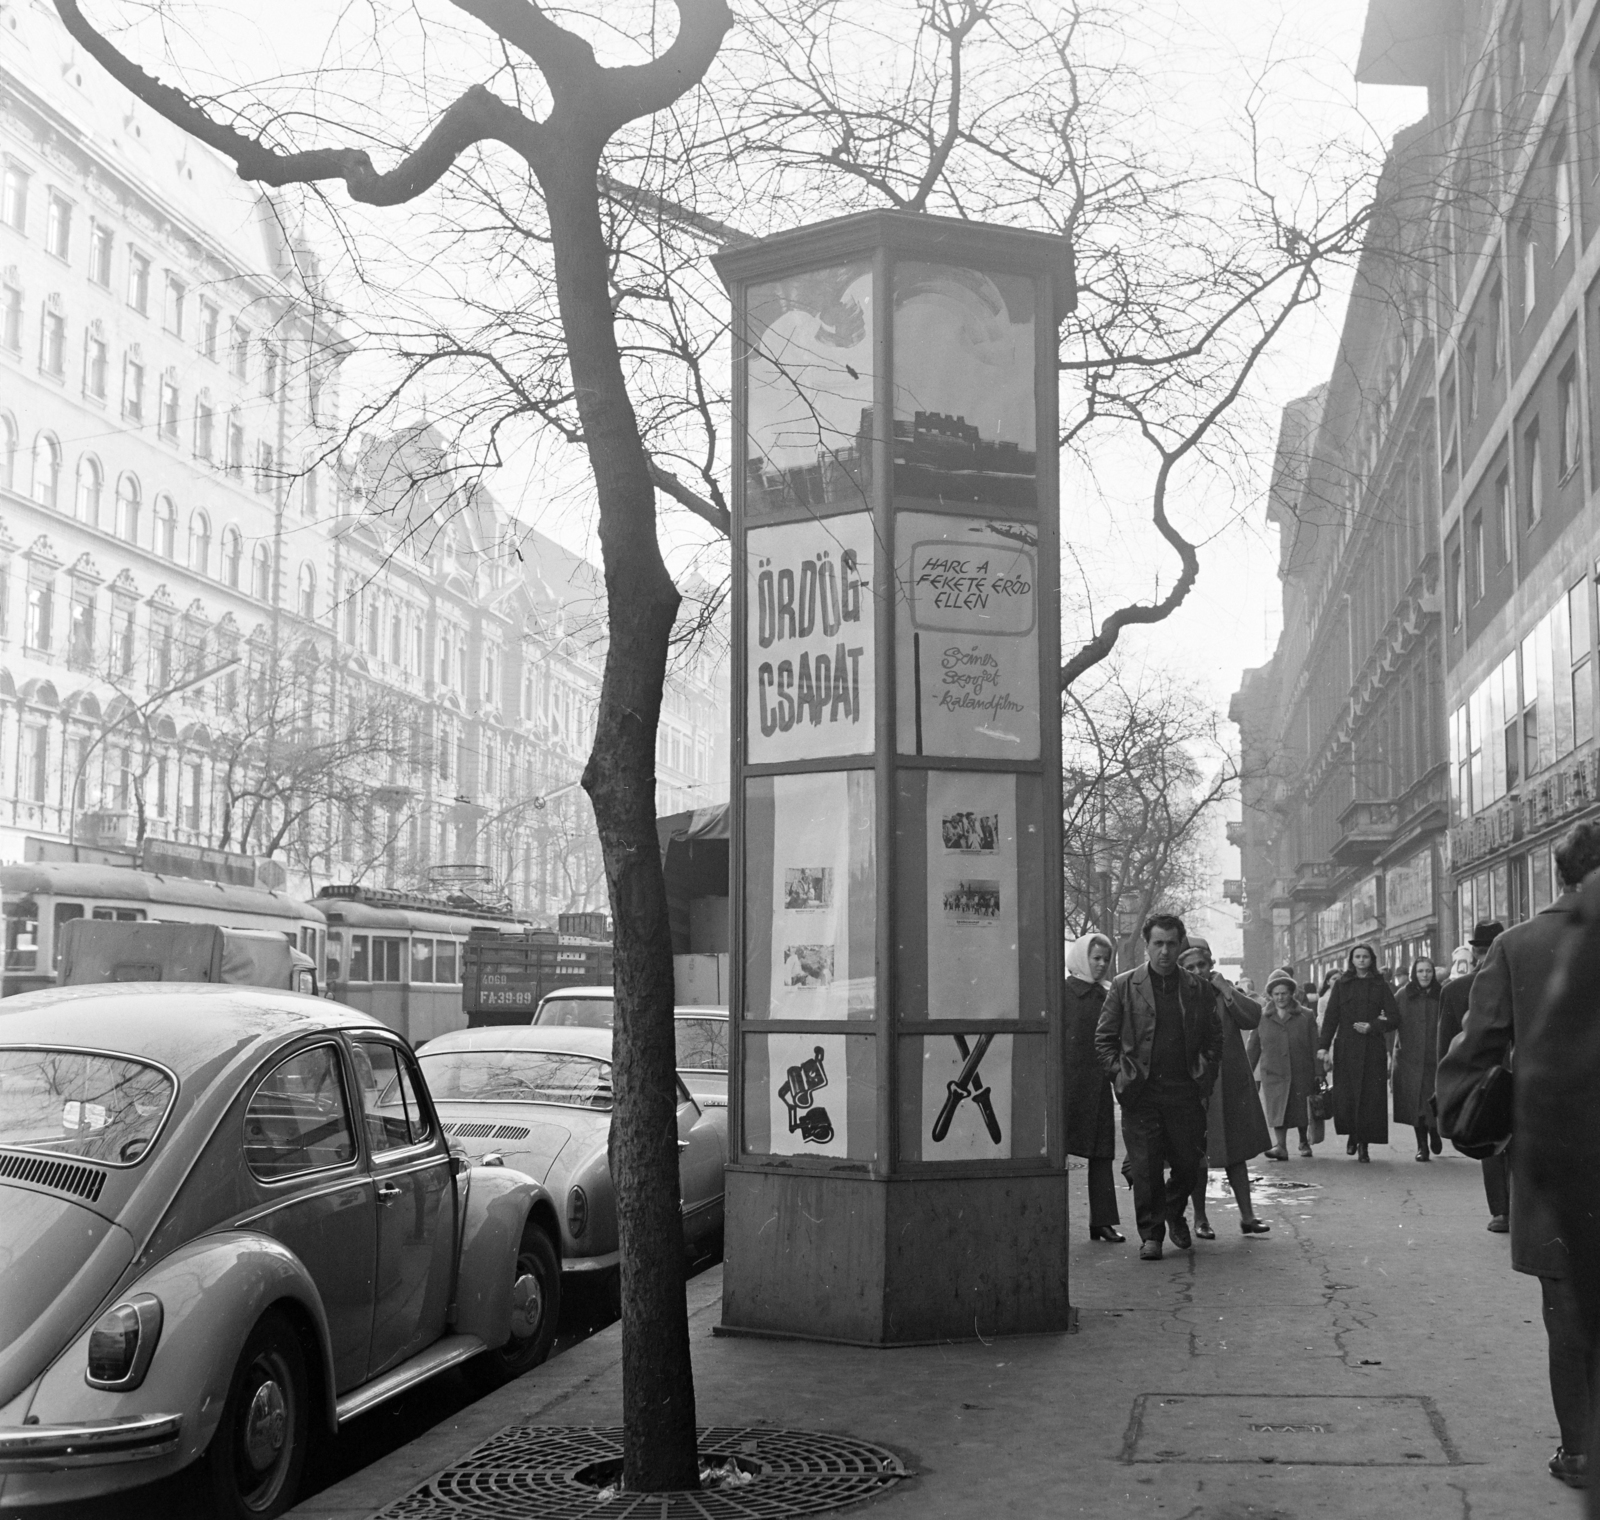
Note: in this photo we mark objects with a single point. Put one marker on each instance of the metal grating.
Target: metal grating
(531, 1470)
(84, 1182)
(488, 1131)
(512, 1132)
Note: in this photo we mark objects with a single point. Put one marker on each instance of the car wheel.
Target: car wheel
(535, 1309)
(252, 1467)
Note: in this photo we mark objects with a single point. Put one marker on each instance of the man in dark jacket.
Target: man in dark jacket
(1509, 1010)
(1160, 1039)
(1452, 1014)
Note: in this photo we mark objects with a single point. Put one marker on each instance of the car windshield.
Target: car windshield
(578, 1013)
(517, 1076)
(81, 1103)
(702, 1044)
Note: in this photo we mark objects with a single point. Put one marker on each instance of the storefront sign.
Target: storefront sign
(1408, 889)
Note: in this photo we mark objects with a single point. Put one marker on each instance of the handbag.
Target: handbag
(1483, 1127)
(1320, 1104)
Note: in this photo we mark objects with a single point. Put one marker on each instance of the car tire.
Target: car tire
(251, 1470)
(534, 1315)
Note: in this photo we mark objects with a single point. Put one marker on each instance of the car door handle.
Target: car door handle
(683, 1145)
(388, 1192)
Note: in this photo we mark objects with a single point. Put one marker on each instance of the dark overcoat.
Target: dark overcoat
(1235, 1128)
(1508, 1007)
(1285, 1050)
(1360, 1061)
(1416, 1052)
(1091, 1108)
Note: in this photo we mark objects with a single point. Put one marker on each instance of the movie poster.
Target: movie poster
(823, 897)
(972, 895)
(964, 402)
(806, 1088)
(809, 642)
(966, 1097)
(967, 637)
(809, 390)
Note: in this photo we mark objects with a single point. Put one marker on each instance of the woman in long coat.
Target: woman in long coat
(1091, 1107)
(1361, 1013)
(1235, 1131)
(1416, 1055)
(1284, 1050)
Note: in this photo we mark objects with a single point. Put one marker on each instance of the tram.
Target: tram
(41, 896)
(398, 956)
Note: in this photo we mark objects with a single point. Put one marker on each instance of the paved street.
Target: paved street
(1378, 1329)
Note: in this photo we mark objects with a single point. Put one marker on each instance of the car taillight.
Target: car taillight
(577, 1212)
(122, 1343)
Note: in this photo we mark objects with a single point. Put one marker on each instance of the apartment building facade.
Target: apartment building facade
(197, 568)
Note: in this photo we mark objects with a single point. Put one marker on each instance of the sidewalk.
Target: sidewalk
(1374, 1355)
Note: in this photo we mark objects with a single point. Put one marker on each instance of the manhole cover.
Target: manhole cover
(1321, 1430)
(530, 1470)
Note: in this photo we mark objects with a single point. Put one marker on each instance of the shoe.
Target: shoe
(1572, 1467)
(1361, 1152)
(1202, 1228)
(1305, 1147)
(1498, 1225)
(1436, 1142)
(1422, 1153)
(1107, 1233)
(1253, 1227)
(1349, 1147)
(1150, 1250)
(1179, 1230)
(1277, 1154)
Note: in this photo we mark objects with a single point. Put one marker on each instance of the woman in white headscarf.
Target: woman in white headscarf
(1090, 1106)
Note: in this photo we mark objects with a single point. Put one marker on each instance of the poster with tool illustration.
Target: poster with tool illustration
(806, 1091)
(808, 390)
(821, 875)
(964, 396)
(967, 637)
(808, 639)
(966, 1097)
(972, 895)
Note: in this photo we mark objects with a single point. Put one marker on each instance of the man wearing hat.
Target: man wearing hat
(1453, 1003)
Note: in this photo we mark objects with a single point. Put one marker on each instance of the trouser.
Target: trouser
(1164, 1130)
(1497, 1183)
(1102, 1193)
(1570, 1325)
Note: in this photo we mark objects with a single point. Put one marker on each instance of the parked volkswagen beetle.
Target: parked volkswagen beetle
(229, 1216)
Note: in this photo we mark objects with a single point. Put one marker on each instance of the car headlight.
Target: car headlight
(122, 1343)
(577, 1212)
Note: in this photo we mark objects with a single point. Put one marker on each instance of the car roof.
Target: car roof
(579, 992)
(183, 1025)
(691, 1011)
(562, 1038)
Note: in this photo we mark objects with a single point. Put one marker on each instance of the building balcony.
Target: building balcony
(1365, 829)
(1313, 881)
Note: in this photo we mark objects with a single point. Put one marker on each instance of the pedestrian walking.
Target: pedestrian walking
(1452, 1014)
(1236, 1131)
(1090, 1105)
(1353, 1042)
(1517, 1007)
(1160, 1040)
(1460, 965)
(1284, 1053)
(1326, 993)
(1416, 1056)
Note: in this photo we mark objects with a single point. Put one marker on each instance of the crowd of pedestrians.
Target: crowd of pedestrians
(1206, 1076)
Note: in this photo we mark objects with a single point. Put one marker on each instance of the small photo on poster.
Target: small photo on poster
(807, 888)
(808, 966)
(971, 833)
(972, 902)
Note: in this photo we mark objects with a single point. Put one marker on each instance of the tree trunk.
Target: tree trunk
(642, 604)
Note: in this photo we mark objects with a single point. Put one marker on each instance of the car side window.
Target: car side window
(702, 1044)
(298, 1119)
(393, 1116)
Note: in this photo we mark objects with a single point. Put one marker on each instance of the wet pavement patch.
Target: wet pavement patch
(1320, 1430)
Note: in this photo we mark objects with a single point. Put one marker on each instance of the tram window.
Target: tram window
(422, 960)
(22, 935)
(118, 915)
(64, 914)
(386, 959)
(444, 961)
(359, 971)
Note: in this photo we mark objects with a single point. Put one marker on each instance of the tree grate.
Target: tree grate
(529, 1470)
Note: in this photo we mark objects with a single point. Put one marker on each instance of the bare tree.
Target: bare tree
(587, 105)
(1144, 770)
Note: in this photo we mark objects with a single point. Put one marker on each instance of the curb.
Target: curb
(523, 1402)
